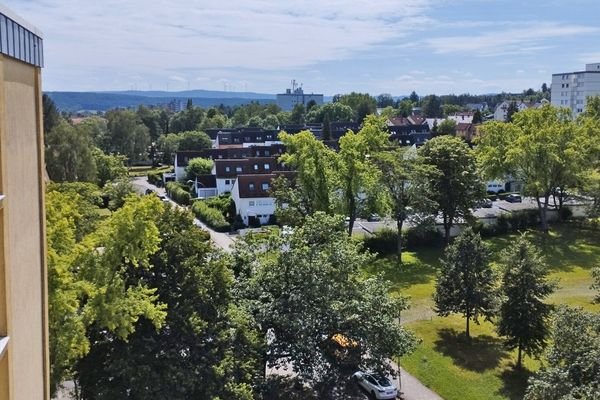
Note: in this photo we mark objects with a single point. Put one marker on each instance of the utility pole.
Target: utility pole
(400, 393)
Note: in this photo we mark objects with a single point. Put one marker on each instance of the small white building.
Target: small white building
(252, 200)
(571, 89)
(462, 117)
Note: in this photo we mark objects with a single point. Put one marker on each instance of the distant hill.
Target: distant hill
(204, 94)
(102, 101)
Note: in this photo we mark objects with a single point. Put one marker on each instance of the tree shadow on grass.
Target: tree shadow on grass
(290, 388)
(514, 383)
(406, 274)
(481, 353)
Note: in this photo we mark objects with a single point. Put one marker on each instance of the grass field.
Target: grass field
(483, 369)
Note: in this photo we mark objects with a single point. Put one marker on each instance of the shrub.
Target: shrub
(565, 213)
(155, 178)
(422, 236)
(210, 216)
(238, 223)
(382, 242)
(178, 193)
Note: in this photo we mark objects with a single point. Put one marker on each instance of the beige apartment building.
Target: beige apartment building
(24, 370)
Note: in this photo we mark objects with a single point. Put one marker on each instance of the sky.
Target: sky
(330, 46)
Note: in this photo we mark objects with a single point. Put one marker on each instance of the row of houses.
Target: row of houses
(246, 160)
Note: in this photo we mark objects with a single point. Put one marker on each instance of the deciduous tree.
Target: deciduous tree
(573, 368)
(542, 148)
(454, 182)
(304, 287)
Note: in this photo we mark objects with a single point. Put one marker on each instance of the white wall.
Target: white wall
(223, 187)
(263, 206)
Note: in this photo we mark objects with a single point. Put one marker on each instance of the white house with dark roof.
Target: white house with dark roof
(252, 199)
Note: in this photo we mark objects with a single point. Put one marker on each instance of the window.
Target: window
(567, 85)
(238, 169)
(267, 166)
(265, 186)
(269, 137)
(227, 169)
(267, 153)
(236, 140)
(247, 139)
(227, 181)
(256, 167)
(257, 153)
(259, 138)
(251, 186)
(251, 203)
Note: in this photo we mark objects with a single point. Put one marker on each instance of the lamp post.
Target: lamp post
(400, 393)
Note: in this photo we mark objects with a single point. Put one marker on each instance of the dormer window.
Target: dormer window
(238, 169)
(265, 186)
(251, 186)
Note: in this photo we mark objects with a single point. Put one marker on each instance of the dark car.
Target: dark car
(485, 203)
(514, 198)
(374, 218)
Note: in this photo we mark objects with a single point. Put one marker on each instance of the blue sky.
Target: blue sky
(335, 46)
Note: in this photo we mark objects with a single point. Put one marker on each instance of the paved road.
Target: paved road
(222, 240)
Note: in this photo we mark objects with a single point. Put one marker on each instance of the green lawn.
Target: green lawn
(483, 369)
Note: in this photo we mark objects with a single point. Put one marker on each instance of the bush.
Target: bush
(155, 178)
(385, 241)
(382, 242)
(210, 216)
(238, 223)
(179, 195)
(223, 203)
(423, 236)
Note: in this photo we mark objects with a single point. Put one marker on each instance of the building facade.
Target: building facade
(24, 361)
(288, 100)
(571, 89)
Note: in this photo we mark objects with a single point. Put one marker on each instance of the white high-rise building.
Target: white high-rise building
(571, 89)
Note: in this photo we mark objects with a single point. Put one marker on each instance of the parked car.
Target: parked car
(485, 203)
(163, 198)
(374, 218)
(514, 198)
(379, 387)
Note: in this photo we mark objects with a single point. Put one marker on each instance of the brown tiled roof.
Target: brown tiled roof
(250, 186)
(251, 165)
(463, 126)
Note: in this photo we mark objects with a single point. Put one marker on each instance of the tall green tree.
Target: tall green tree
(431, 106)
(186, 120)
(86, 276)
(523, 316)
(573, 360)
(466, 283)
(298, 114)
(304, 287)
(447, 127)
(313, 163)
(336, 112)
(198, 166)
(414, 97)
(362, 104)
(356, 174)
(402, 178)
(194, 140)
(69, 154)
(542, 148)
(128, 136)
(206, 348)
(51, 114)
(109, 167)
(326, 128)
(454, 182)
(511, 111)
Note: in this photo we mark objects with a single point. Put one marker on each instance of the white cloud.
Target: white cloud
(512, 41)
(266, 35)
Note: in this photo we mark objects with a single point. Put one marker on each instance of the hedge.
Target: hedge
(513, 222)
(178, 194)
(385, 241)
(155, 178)
(210, 216)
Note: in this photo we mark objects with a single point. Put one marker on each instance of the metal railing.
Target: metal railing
(19, 42)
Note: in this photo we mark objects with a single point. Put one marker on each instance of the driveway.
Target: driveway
(220, 239)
